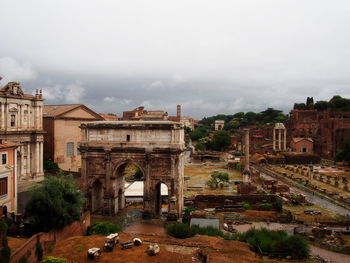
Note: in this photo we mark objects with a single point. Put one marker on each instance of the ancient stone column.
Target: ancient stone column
(274, 139)
(285, 140)
(279, 139)
(246, 171)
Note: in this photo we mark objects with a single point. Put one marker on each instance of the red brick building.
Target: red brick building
(328, 129)
(302, 145)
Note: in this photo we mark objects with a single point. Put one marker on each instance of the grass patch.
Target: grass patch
(103, 228)
(181, 230)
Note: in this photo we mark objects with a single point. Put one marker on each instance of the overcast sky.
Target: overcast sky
(210, 56)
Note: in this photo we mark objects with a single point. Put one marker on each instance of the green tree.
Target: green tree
(55, 203)
(310, 102)
(321, 105)
(221, 140)
(344, 153)
(271, 115)
(337, 102)
(239, 115)
(198, 133)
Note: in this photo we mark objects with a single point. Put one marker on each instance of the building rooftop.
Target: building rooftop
(56, 110)
(298, 139)
(132, 124)
(5, 144)
(107, 116)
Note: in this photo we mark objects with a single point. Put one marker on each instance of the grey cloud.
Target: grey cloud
(210, 56)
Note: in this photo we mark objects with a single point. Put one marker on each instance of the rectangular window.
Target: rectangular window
(128, 138)
(3, 186)
(78, 145)
(3, 158)
(13, 120)
(70, 149)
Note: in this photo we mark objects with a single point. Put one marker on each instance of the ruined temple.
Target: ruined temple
(156, 147)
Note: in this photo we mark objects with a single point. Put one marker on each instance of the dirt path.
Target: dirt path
(330, 255)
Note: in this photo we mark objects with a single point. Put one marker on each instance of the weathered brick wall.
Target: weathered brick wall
(75, 229)
(211, 201)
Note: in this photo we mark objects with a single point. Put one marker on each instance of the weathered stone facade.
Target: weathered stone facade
(156, 147)
(21, 122)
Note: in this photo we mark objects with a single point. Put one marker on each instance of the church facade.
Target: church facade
(21, 122)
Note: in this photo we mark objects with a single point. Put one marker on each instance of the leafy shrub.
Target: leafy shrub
(246, 206)
(39, 251)
(296, 246)
(54, 260)
(239, 166)
(218, 179)
(50, 165)
(277, 205)
(187, 214)
(180, 230)
(103, 228)
(276, 241)
(266, 207)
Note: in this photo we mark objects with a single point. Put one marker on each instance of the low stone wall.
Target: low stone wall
(77, 228)
(212, 201)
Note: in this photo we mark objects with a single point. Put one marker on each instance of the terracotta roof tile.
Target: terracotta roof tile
(55, 110)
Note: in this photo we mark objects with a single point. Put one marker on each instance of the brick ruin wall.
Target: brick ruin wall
(328, 129)
(212, 201)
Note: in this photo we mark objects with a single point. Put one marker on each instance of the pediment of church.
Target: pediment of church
(13, 88)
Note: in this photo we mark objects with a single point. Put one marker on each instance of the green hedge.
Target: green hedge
(103, 228)
(276, 241)
(181, 230)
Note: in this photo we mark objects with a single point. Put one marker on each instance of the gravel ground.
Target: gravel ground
(330, 255)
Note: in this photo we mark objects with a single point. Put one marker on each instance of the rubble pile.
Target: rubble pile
(333, 242)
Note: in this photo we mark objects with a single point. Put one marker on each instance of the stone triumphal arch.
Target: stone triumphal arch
(156, 147)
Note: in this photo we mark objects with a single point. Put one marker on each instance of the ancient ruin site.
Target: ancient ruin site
(171, 131)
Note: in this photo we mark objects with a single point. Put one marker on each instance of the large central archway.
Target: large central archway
(157, 148)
